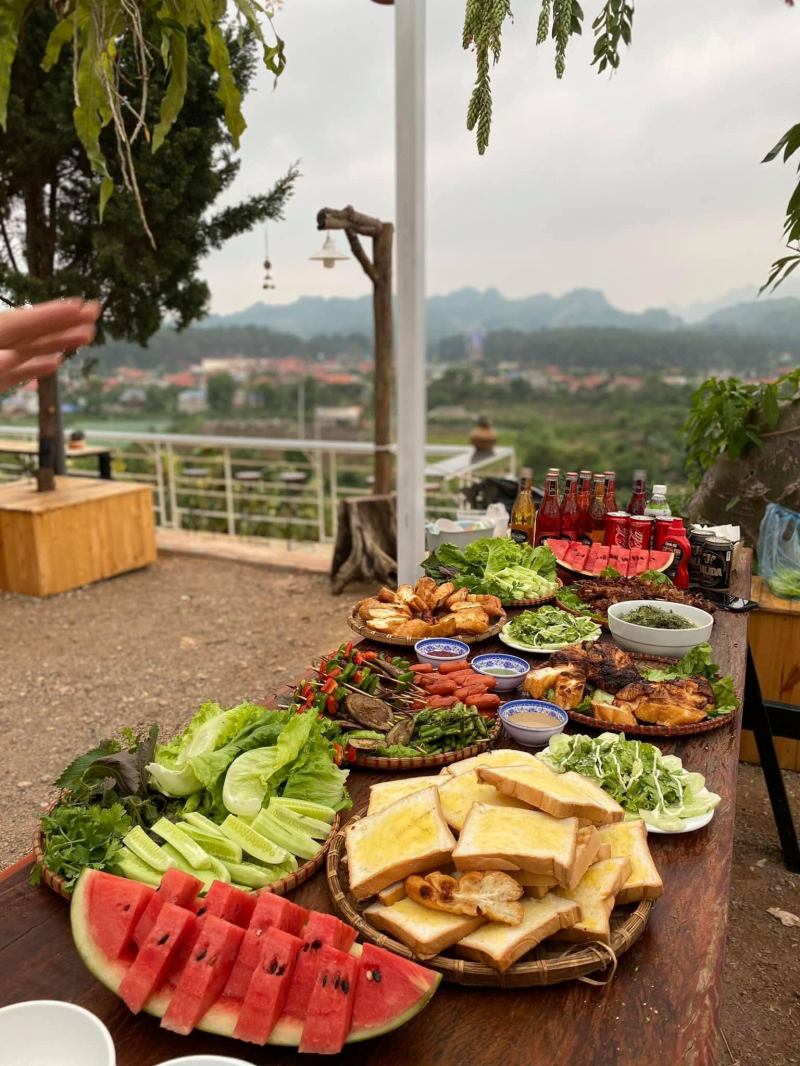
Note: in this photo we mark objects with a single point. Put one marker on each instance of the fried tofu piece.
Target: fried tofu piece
(475, 620)
(443, 592)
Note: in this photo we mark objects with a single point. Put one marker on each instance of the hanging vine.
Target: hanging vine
(155, 33)
(613, 27)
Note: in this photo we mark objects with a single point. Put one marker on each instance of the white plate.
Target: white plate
(546, 649)
(689, 824)
(52, 1032)
(206, 1060)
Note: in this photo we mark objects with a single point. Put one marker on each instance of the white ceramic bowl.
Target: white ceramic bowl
(483, 664)
(465, 531)
(206, 1060)
(673, 643)
(50, 1032)
(429, 650)
(532, 736)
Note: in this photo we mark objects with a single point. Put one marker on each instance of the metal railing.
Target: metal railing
(256, 486)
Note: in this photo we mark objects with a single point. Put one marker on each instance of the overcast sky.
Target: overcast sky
(646, 185)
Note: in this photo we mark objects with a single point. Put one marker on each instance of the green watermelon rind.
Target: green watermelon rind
(219, 1020)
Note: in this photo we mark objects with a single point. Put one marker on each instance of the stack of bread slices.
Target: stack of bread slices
(493, 856)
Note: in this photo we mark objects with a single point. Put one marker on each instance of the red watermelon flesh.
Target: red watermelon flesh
(149, 969)
(321, 930)
(576, 556)
(389, 986)
(597, 559)
(659, 560)
(557, 546)
(619, 559)
(330, 1005)
(176, 887)
(232, 904)
(124, 902)
(638, 562)
(271, 912)
(266, 994)
(203, 977)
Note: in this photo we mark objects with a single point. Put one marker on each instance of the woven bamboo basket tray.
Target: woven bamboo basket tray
(426, 762)
(358, 626)
(280, 888)
(538, 602)
(548, 964)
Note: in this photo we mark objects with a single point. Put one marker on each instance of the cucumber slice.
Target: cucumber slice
(248, 875)
(131, 866)
(298, 823)
(146, 849)
(298, 843)
(218, 847)
(201, 822)
(253, 842)
(220, 870)
(306, 807)
(207, 875)
(181, 842)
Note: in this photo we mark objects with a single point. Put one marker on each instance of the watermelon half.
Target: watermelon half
(389, 990)
(591, 559)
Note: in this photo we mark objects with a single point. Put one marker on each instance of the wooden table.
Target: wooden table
(30, 448)
(662, 1006)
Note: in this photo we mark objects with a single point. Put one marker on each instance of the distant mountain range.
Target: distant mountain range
(471, 310)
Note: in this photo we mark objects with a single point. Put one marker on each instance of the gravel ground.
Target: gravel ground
(153, 645)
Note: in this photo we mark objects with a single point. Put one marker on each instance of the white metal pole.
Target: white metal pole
(410, 321)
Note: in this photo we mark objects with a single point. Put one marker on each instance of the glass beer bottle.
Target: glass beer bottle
(548, 524)
(523, 513)
(570, 518)
(597, 510)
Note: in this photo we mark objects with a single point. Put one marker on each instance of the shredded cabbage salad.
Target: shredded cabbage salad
(548, 627)
(644, 782)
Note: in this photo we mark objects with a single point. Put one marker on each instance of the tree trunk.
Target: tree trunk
(39, 253)
(384, 373)
(366, 542)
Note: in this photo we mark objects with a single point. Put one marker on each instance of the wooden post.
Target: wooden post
(48, 433)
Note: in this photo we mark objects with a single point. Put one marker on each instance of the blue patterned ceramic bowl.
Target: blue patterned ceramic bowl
(532, 736)
(438, 650)
(491, 663)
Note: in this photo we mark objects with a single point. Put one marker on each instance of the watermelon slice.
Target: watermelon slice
(619, 559)
(271, 912)
(388, 986)
(639, 561)
(330, 1005)
(558, 546)
(320, 930)
(597, 559)
(124, 902)
(660, 560)
(149, 969)
(94, 914)
(264, 1001)
(176, 887)
(203, 977)
(575, 557)
(229, 903)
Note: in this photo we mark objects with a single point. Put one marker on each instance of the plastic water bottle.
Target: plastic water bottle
(657, 506)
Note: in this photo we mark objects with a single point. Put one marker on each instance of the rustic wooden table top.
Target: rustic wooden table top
(662, 1005)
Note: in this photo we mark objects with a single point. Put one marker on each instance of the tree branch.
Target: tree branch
(349, 218)
(357, 248)
(7, 243)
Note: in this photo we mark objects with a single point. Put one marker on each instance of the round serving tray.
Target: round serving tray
(279, 888)
(548, 964)
(425, 762)
(363, 630)
(535, 603)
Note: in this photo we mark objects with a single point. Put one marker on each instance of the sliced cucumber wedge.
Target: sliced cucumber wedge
(131, 866)
(220, 870)
(252, 842)
(248, 875)
(147, 850)
(206, 875)
(298, 843)
(306, 807)
(217, 846)
(298, 823)
(181, 842)
(201, 822)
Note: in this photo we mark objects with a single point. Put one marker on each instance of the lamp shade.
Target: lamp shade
(329, 253)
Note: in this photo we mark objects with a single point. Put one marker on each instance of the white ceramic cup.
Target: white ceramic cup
(43, 1032)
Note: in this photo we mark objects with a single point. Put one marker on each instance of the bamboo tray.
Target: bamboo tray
(538, 602)
(425, 762)
(280, 888)
(358, 626)
(548, 964)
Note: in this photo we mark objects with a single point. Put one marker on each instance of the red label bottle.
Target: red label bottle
(584, 499)
(638, 500)
(570, 515)
(548, 521)
(610, 491)
(597, 510)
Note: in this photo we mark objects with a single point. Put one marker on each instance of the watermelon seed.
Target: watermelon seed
(305, 947)
(273, 966)
(324, 980)
(281, 971)
(127, 907)
(345, 985)
(336, 981)
(201, 956)
(316, 945)
(164, 938)
(375, 975)
(202, 911)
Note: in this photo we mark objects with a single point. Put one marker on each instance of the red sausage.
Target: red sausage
(451, 668)
(422, 668)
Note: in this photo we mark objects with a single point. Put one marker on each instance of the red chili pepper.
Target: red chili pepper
(323, 666)
(367, 655)
(330, 685)
(348, 647)
(357, 677)
(334, 671)
(338, 752)
(358, 658)
(331, 706)
(350, 753)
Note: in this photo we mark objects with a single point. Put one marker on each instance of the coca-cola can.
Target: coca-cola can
(640, 534)
(616, 529)
(661, 532)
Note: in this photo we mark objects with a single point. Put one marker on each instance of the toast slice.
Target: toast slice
(590, 849)
(492, 894)
(500, 945)
(536, 891)
(630, 839)
(502, 838)
(393, 893)
(407, 837)
(566, 795)
(457, 794)
(498, 757)
(595, 895)
(386, 792)
(426, 932)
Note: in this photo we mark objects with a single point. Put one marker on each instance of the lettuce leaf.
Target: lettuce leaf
(318, 779)
(698, 663)
(254, 775)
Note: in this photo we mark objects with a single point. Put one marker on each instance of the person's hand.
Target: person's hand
(33, 339)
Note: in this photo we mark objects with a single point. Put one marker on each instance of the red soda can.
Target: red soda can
(661, 532)
(641, 531)
(617, 528)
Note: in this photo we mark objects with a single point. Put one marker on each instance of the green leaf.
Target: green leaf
(219, 57)
(172, 101)
(62, 34)
(12, 13)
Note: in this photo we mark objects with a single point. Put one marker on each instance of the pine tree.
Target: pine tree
(51, 240)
